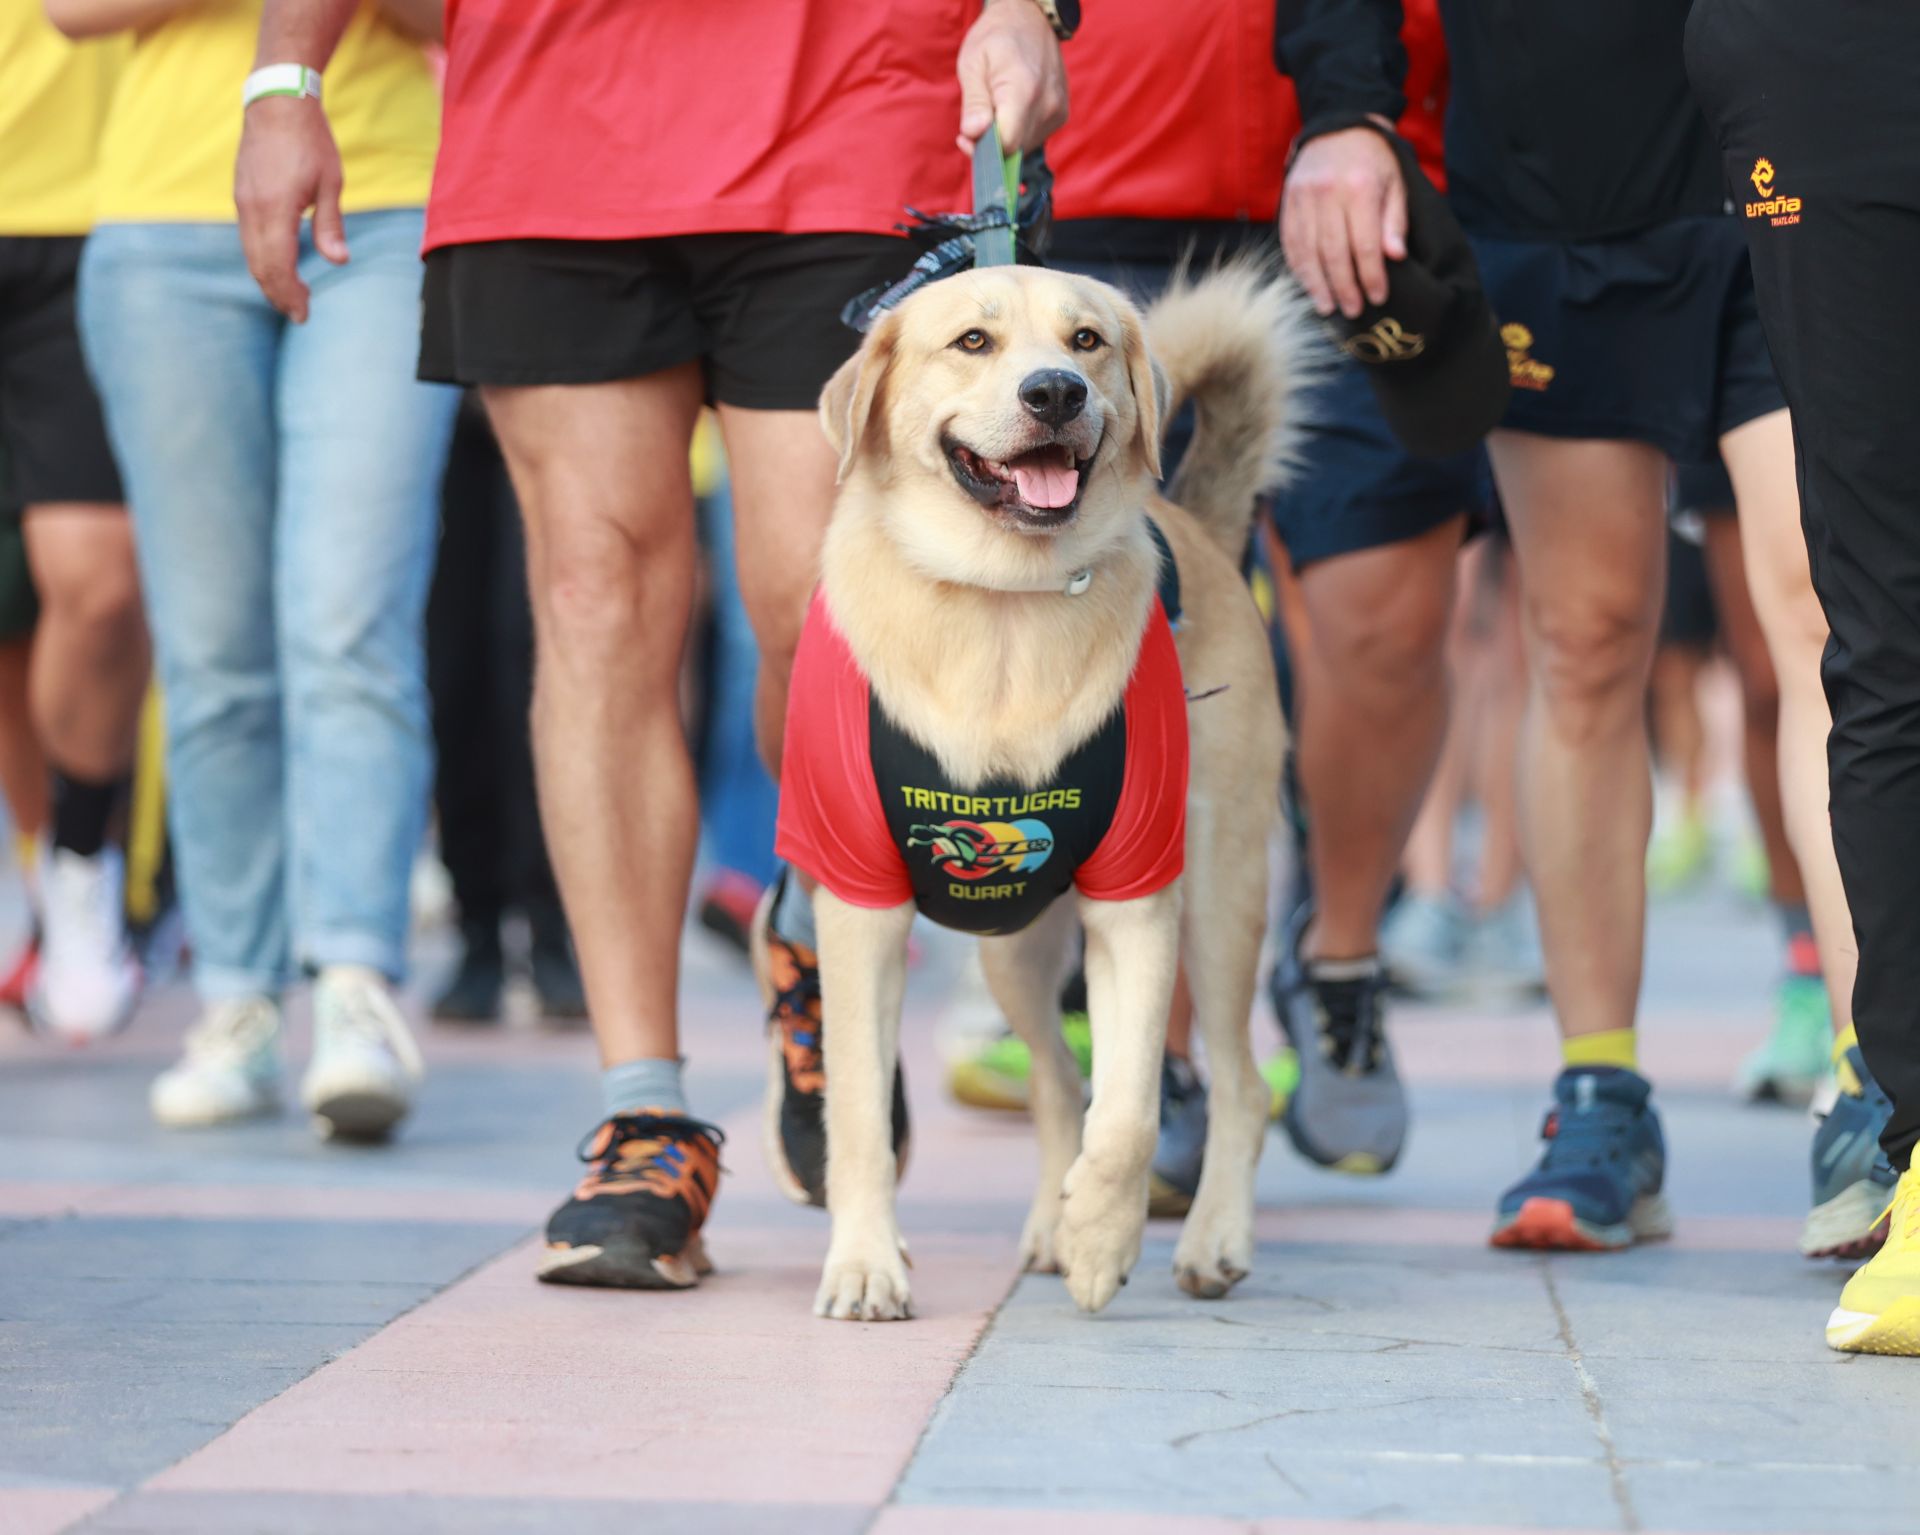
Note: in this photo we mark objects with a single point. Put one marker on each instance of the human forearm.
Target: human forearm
(98, 18)
(302, 31)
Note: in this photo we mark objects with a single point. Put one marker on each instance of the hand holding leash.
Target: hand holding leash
(1011, 77)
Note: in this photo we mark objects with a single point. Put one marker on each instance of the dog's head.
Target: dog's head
(1027, 397)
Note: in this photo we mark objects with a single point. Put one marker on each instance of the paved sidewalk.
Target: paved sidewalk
(246, 1331)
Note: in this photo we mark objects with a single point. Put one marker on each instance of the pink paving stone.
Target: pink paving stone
(48, 1510)
(832, 1411)
(32, 1201)
(901, 1519)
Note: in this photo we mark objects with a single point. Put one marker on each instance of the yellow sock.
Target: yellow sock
(1610, 1047)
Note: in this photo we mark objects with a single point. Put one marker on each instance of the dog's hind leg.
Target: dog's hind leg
(1133, 950)
(1224, 918)
(863, 972)
(1024, 972)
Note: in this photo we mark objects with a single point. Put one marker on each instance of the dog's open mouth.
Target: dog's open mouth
(1039, 488)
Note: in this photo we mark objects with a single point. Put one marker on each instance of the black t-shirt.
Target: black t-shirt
(1566, 119)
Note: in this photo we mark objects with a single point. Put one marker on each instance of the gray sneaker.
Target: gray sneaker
(1421, 943)
(1503, 950)
(1183, 1139)
(1349, 1111)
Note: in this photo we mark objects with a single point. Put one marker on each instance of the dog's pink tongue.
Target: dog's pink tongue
(1045, 484)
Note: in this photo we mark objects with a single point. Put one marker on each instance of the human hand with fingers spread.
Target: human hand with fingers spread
(1343, 217)
(1011, 76)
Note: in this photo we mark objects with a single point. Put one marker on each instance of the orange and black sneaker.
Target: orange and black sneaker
(634, 1221)
(795, 1123)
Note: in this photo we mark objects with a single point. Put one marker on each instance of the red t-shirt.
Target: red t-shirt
(616, 119)
(866, 811)
(1179, 112)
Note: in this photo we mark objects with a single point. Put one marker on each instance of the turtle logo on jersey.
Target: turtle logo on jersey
(977, 849)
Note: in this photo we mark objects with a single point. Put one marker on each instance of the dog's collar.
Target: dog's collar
(1075, 585)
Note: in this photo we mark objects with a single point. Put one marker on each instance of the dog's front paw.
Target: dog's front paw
(1098, 1239)
(1039, 1242)
(867, 1283)
(1214, 1254)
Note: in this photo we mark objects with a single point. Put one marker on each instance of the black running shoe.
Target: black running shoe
(634, 1222)
(795, 1124)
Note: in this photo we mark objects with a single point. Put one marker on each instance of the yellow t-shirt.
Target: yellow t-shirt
(174, 129)
(53, 100)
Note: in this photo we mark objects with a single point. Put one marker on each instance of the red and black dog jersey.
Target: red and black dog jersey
(868, 812)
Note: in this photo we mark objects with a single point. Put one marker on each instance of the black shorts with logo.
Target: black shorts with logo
(759, 312)
(1354, 486)
(1651, 338)
(53, 441)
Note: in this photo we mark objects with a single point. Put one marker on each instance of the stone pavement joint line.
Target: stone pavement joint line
(1590, 1394)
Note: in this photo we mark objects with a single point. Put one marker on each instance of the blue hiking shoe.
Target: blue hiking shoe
(1597, 1185)
(1852, 1179)
(1177, 1157)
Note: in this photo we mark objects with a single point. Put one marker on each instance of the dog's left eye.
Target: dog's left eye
(974, 341)
(1085, 340)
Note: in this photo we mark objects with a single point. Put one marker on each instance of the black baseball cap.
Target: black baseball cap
(1432, 351)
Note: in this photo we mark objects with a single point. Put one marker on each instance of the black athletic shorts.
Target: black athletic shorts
(1652, 338)
(1704, 489)
(1691, 618)
(759, 312)
(1354, 486)
(53, 442)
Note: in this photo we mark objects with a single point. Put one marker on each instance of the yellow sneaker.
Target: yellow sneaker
(1879, 1311)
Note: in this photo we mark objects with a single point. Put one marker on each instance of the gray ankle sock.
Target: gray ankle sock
(793, 912)
(632, 1086)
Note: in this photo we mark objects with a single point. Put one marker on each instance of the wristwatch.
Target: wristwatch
(1062, 15)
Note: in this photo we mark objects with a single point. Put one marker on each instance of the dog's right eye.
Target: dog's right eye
(974, 341)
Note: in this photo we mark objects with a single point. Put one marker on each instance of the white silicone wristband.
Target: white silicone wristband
(280, 80)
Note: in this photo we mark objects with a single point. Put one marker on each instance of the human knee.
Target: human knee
(1590, 658)
(1389, 650)
(600, 591)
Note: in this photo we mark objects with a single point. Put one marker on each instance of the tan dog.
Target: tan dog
(991, 570)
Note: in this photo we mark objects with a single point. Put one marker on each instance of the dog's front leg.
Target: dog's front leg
(1024, 971)
(1133, 949)
(863, 969)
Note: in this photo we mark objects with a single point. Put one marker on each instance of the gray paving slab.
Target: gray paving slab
(1335, 1382)
(1723, 1499)
(127, 1344)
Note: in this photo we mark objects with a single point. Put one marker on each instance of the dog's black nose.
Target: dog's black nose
(1055, 395)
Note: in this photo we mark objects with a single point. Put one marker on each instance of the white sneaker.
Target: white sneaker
(89, 978)
(365, 1064)
(231, 1069)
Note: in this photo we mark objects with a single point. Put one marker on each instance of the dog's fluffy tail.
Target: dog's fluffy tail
(1239, 341)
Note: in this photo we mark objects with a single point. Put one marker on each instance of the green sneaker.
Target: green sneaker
(1282, 1074)
(1789, 1067)
(995, 1075)
(1679, 854)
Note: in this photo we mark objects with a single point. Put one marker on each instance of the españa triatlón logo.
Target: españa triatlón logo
(1775, 209)
(1526, 371)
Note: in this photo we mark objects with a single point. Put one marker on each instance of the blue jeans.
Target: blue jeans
(283, 481)
(738, 801)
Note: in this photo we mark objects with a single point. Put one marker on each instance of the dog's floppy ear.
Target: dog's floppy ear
(846, 404)
(1149, 386)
